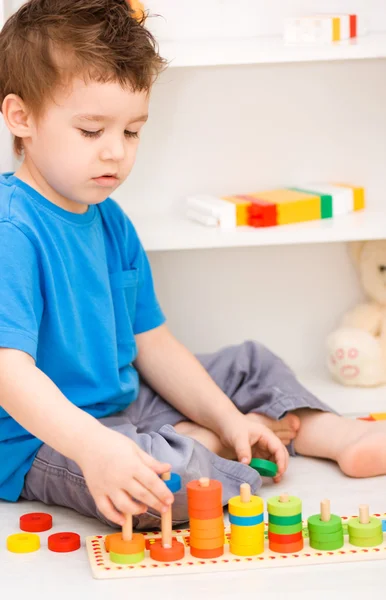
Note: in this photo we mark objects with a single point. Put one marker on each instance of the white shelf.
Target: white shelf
(173, 232)
(198, 53)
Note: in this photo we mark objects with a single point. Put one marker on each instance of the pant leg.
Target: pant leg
(257, 380)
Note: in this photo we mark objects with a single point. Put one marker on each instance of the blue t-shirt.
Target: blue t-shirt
(74, 290)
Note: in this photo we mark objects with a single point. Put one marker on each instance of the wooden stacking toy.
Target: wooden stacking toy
(206, 518)
(285, 527)
(365, 531)
(325, 530)
(126, 547)
(246, 516)
(168, 549)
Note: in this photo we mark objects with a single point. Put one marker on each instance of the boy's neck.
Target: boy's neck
(31, 176)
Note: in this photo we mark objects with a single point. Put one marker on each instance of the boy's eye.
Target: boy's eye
(96, 134)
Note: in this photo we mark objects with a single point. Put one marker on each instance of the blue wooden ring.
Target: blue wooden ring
(246, 521)
(174, 483)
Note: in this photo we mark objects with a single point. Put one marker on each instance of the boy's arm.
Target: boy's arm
(115, 468)
(178, 377)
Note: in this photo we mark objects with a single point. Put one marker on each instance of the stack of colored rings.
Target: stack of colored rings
(246, 516)
(325, 530)
(365, 531)
(125, 552)
(285, 527)
(206, 518)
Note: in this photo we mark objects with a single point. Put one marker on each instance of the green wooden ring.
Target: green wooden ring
(316, 525)
(281, 530)
(266, 468)
(126, 559)
(285, 520)
(334, 545)
(364, 530)
(323, 538)
(284, 509)
(366, 542)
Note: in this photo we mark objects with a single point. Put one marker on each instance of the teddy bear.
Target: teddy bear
(357, 349)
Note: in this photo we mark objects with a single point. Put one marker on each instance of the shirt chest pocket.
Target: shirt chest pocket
(124, 286)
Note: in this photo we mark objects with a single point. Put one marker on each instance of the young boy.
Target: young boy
(97, 398)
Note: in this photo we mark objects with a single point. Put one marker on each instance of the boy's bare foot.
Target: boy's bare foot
(285, 429)
(359, 447)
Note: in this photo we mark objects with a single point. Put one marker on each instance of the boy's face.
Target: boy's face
(84, 145)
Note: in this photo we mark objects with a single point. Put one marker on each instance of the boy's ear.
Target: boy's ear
(355, 251)
(16, 116)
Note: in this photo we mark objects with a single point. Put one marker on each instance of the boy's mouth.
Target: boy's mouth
(107, 180)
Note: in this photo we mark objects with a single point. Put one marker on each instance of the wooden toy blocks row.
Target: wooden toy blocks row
(282, 206)
(320, 28)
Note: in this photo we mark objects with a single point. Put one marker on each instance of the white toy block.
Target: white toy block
(206, 205)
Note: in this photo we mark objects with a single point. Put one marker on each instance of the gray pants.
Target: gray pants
(250, 375)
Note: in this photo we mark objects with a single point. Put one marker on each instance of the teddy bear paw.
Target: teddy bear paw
(355, 358)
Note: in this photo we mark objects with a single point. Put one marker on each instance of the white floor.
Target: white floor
(46, 575)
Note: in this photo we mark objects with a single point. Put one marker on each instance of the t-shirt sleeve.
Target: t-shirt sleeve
(21, 302)
(148, 314)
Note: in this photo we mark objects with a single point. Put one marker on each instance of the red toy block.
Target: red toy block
(261, 213)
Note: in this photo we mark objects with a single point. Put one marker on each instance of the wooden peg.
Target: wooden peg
(204, 481)
(284, 498)
(245, 492)
(364, 516)
(127, 529)
(325, 510)
(166, 521)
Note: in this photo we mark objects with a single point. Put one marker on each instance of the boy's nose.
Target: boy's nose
(113, 151)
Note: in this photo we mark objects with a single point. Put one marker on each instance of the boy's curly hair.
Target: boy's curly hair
(47, 43)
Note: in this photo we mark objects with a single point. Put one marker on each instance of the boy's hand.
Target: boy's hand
(250, 439)
(122, 478)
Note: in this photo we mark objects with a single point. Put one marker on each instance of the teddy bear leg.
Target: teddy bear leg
(355, 358)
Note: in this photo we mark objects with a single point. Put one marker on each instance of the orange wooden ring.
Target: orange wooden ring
(206, 513)
(203, 544)
(285, 539)
(134, 546)
(109, 537)
(209, 534)
(198, 524)
(204, 496)
(161, 554)
(286, 548)
(215, 553)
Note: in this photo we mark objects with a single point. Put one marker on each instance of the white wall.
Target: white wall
(234, 129)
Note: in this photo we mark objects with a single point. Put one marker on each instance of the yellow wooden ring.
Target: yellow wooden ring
(247, 533)
(246, 550)
(246, 509)
(21, 543)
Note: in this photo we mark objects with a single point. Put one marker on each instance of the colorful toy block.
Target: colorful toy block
(281, 206)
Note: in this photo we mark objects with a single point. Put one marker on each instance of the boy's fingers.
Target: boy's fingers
(106, 507)
(154, 464)
(243, 451)
(149, 480)
(125, 504)
(145, 496)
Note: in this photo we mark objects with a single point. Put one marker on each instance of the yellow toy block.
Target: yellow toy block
(293, 206)
(358, 193)
(378, 416)
(241, 209)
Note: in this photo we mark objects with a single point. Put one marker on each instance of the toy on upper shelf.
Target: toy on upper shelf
(356, 350)
(320, 28)
(280, 206)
